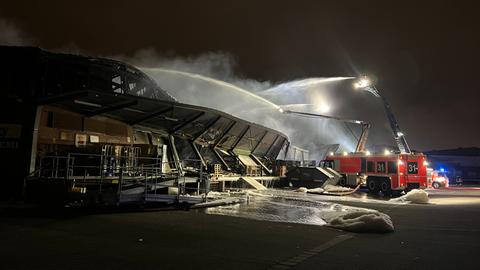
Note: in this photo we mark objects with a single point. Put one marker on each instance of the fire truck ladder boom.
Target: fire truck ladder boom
(365, 126)
(397, 133)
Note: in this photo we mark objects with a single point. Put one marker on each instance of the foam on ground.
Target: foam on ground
(310, 190)
(326, 188)
(332, 188)
(414, 196)
(360, 220)
(316, 190)
(301, 189)
(289, 206)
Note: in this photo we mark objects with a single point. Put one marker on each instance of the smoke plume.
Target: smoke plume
(210, 80)
(12, 35)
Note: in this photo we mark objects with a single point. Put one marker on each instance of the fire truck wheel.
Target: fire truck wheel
(385, 187)
(372, 186)
(436, 185)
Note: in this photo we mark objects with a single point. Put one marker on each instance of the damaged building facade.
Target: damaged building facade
(104, 131)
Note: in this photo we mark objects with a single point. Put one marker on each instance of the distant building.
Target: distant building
(463, 163)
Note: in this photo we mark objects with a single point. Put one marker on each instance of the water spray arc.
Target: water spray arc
(259, 108)
(217, 82)
(302, 84)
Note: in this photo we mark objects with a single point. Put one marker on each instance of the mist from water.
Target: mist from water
(12, 35)
(212, 80)
(315, 135)
(300, 85)
(225, 85)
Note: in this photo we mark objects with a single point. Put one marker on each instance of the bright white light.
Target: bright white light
(425, 163)
(386, 152)
(368, 153)
(399, 134)
(325, 108)
(331, 153)
(322, 104)
(364, 82)
(322, 107)
(358, 122)
(345, 153)
(281, 110)
(400, 162)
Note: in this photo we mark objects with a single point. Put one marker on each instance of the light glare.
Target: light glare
(364, 82)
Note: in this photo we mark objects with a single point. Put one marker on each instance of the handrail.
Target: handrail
(81, 170)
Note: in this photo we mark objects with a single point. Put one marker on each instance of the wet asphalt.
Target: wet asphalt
(444, 234)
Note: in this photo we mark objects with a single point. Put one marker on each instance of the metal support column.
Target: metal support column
(176, 158)
(224, 163)
(197, 152)
(33, 155)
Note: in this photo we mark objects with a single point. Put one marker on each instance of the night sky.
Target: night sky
(425, 54)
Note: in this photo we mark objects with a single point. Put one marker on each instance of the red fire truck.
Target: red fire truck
(389, 173)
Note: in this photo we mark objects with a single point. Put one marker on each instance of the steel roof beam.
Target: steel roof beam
(113, 107)
(62, 97)
(208, 127)
(270, 147)
(259, 141)
(188, 121)
(215, 151)
(240, 138)
(150, 115)
(224, 133)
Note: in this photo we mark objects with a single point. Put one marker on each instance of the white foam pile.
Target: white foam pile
(327, 188)
(301, 189)
(310, 190)
(359, 220)
(316, 190)
(332, 188)
(414, 196)
(216, 195)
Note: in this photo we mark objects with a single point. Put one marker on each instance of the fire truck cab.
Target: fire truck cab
(389, 173)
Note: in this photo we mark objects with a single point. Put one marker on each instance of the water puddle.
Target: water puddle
(294, 207)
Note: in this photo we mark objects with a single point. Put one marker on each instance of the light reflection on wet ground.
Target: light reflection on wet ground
(276, 209)
(313, 209)
(287, 206)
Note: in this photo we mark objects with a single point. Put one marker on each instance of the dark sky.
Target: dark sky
(425, 54)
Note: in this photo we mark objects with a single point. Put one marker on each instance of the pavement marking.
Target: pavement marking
(291, 262)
